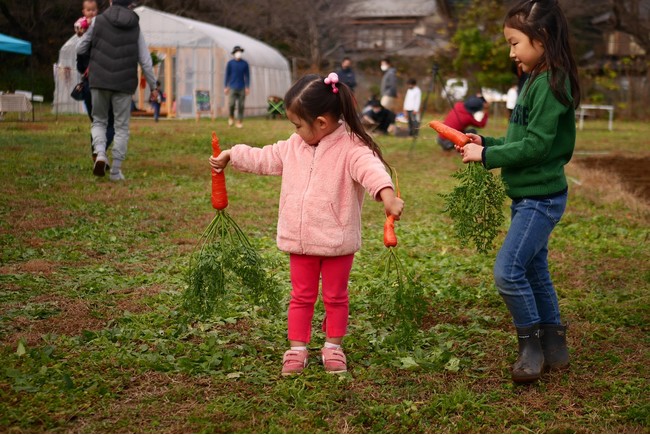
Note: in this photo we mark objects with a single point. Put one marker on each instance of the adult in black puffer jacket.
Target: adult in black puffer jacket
(116, 47)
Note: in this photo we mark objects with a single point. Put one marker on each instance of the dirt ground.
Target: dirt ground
(634, 172)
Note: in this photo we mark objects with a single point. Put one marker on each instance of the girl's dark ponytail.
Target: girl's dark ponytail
(312, 96)
(350, 114)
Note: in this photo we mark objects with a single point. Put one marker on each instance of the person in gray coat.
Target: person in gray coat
(388, 85)
(116, 46)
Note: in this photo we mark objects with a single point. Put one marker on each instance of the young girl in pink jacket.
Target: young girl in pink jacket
(326, 166)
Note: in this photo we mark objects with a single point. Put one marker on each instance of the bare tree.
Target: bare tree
(633, 17)
(629, 16)
(305, 31)
(43, 23)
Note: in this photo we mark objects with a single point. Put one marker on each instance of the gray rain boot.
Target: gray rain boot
(529, 364)
(556, 353)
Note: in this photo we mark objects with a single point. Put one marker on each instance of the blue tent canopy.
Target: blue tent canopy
(14, 45)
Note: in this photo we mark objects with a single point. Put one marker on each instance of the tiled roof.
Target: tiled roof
(390, 8)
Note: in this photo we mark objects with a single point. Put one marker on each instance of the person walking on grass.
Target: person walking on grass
(237, 85)
(325, 167)
(539, 141)
(116, 46)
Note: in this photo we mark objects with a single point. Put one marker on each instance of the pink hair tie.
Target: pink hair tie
(332, 79)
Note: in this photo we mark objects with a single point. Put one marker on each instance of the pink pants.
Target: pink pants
(306, 273)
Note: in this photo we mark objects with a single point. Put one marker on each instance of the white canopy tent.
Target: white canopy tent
(194, 56)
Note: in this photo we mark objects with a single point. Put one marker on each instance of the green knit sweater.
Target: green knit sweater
(539, 142)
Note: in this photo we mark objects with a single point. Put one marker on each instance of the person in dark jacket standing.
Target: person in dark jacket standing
(237, 85)
(116, 47)
(346, 73)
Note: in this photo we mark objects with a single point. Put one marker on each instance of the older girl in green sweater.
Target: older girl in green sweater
(539, 142)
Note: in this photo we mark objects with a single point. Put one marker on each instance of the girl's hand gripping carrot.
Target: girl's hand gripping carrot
(220, 161)
(393, 206)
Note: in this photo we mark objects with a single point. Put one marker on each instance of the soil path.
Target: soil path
(634, 172)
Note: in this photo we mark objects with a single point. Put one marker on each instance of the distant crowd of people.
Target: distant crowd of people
(110, 85)
(381, 113)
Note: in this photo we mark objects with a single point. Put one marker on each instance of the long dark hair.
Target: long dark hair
(544, 21)
(310, 97)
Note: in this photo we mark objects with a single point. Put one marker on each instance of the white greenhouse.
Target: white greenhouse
(193, 58)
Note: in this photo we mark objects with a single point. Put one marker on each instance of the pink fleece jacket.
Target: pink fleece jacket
(322, 189)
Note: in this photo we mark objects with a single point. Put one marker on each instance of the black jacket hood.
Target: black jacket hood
(121, 17)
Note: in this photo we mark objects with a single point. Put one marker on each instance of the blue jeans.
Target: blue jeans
(521, 269)
(156, 110)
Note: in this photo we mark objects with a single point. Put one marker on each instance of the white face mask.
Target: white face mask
(237, 54)
(384, 67)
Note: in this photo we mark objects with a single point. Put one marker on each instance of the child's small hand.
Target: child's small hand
(472, 153)
(395, 208)
(81, 25)
(392, 204)
(469, 150)
(219, 163)
(475, 138)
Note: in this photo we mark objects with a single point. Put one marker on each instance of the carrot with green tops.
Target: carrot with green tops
(449, 133)
(226, 260)
(475, 205)
(398, 298)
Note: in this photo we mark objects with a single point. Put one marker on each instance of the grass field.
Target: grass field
(92, 337)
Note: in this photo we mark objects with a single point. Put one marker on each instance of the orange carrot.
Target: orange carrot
(219, 194)
(390, 239)
(457, 137)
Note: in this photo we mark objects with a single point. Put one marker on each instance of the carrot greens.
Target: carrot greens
(476, 206)
(226, 264)
(397, 299)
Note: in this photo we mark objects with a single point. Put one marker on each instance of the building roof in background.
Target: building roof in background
(390, 8)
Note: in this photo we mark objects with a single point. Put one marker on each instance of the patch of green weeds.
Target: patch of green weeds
(122, 251)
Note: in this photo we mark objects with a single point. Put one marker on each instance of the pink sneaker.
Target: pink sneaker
(334, 360)
(294, 361)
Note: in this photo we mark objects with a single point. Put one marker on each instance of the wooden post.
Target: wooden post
(168, 85)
